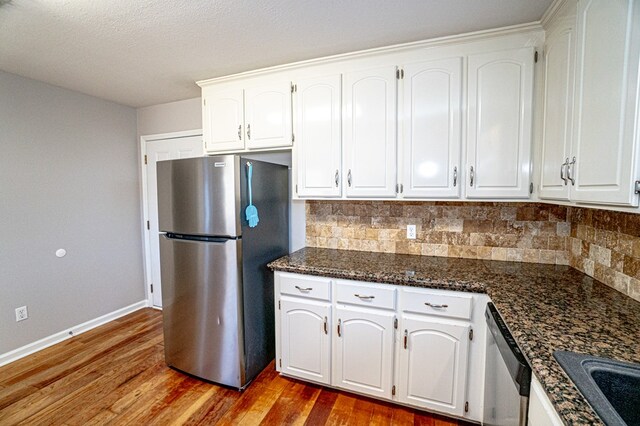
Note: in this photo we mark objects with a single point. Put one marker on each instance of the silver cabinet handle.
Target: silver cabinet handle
(349, 178)
(406, 337)
(304, 289)
(240, 132)
(455, 176)
(570, 168)
(326, 327)
(337, 178)
(339, 333)
(360, 296)
(434, 306)
(471, 176)
(249, 131)
(562, 170)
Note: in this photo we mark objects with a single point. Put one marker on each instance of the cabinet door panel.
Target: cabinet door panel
(268, 115)
(606, 110)
(432, 133)
(222, 118)
(558, 98)
(305, 345)
(364, 351)
(370, 133)
(499, 131)
(433, 366)
(318, 130)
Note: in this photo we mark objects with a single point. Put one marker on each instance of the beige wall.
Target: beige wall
(170, 117)
(68, 179)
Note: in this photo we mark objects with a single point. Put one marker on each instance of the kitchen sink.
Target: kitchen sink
(611, 387)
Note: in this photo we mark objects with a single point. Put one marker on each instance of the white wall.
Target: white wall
(187, 115)
(68, 179)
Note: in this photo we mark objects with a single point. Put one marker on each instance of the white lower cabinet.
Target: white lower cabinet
(541, 411)
(363, 351)
(305, 349)
(409, 345)
(432, 364)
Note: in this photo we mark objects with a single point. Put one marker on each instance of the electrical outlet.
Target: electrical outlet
(21, 313)
(411, 232)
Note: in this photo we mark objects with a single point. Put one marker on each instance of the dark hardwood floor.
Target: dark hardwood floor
(115, 374)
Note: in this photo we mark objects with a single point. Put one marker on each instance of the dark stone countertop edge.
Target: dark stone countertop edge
(383, 278)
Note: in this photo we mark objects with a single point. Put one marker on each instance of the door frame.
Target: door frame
(146, 249)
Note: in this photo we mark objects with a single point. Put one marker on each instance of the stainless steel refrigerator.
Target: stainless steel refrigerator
(217, 293)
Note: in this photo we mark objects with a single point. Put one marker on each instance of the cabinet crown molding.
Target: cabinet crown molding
(439, 41)
(551, 12)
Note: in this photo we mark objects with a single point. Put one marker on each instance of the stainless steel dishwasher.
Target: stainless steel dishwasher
(507, 376)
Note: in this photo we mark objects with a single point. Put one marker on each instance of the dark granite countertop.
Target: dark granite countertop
(546, 307)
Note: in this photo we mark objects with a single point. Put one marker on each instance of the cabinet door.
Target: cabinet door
(317, 126)
(268, 115)
(605, 147)
(432, 364)
(370, 133)
(305, 344)
(222, 119)
(432, 134)
(363, 357)
(558, 104)
(500, 88)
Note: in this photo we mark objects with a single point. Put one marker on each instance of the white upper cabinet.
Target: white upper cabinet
(318, 118)
(440, 120)
(557, 104)
(500, 92)
(223, 118)
(268, 115)
(370, 133)
(606, 140)
(238, 118)
(432, 140)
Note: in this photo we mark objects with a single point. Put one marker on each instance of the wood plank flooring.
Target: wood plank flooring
(115, 374)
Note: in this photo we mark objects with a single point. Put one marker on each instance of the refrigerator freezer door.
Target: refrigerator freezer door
(199, 196)
(202, 308)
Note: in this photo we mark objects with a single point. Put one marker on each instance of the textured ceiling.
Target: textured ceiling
(145, 52)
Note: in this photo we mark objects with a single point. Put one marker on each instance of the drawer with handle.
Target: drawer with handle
(436, 303)
(354, 293)
(305, 286)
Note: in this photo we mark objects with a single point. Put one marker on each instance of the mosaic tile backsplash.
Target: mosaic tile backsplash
(602, 244)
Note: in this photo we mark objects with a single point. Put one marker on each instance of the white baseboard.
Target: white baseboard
(36, 346)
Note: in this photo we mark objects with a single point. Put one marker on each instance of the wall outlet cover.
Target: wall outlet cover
(411, 232)
(21, 313)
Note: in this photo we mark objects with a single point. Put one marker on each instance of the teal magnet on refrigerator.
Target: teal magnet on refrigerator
(251, 212)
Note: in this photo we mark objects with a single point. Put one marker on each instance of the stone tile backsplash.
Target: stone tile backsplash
(602, 244)
(606, 245)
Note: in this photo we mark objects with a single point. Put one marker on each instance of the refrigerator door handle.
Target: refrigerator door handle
(199, 238)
